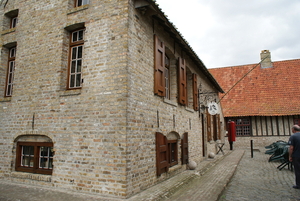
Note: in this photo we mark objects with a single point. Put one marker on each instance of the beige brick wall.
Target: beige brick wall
(104, 133)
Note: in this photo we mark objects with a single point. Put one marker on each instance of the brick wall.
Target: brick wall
(103, 133)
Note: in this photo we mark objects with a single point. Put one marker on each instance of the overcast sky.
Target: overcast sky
(233, 32)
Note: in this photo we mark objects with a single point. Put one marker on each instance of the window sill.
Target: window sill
(170, 102)
(77, 9)
(174, 168)
(37, 177)
(5, 99)
(189, 109)
(8, 31)
(74, 92)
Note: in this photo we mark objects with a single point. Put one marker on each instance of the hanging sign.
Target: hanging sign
(213, 108)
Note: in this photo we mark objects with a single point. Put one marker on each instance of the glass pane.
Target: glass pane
(43, 163)
(12, 52)
(8, 92)
(80, 35)
(78, 80)
(79, 66)
(238, 131)
(44, 151)
(11, 66)
(79, 52)
(72, 81)
(246, 121)
(10, 78)
(51, 152)
(50, 163)
(74, 36)
(74, 52)
(73, 66)
(27, 150)
(25, 160)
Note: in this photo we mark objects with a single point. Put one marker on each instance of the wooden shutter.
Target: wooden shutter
(215, 127)
(195, 93)
(219, 126)
(182, 94)
(184, 149)
(159, 67)
(162, 164)
(208, 121)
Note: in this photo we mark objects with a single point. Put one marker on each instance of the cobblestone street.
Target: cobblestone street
(258, 179)
(255, 179)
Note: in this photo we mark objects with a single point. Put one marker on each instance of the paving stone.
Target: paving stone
(232, 177)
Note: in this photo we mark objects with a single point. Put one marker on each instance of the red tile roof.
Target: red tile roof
(263, 92)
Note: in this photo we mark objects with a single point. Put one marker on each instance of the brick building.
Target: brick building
(261, 98)
(100, 96)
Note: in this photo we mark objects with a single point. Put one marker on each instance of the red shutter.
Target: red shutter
(159, 67)
(162, 164)
(195, 93)
(182, 82)
(184, 149)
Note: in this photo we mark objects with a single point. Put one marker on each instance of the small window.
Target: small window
(11, 19)
(75, 59)
(296, 121)
(173, 152)
(243, 126)
(10, 71)
(14, 22)
(81, 2)
(35, 157)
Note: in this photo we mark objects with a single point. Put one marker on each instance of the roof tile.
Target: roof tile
(262, 92)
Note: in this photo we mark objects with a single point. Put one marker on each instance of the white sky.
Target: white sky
(233, 32)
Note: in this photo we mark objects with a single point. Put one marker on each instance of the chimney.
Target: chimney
(265, 57)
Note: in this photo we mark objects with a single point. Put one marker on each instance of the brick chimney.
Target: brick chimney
(265, 57)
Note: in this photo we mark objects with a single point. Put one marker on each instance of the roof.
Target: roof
(270, 91)
(158, 15)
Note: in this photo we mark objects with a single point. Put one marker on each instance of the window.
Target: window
(242, 126)
(13, 22)
(35, 157)
(81, 2)
(173, 153)
(10, 71)
(162, 73)
(11, 19)
(75, 59)
(167, 151)
(296, 121)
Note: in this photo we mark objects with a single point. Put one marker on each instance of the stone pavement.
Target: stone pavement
(254, 179)
(206, 169)
(205, 183)
(258, 179)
